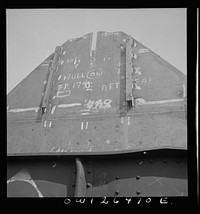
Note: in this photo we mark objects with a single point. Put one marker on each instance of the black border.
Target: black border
(193, 198)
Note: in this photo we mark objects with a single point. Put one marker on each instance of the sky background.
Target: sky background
(33, 34)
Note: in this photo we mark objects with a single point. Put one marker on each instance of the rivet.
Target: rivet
(140, 142)
(137, 177)
(116, 192)
(89, 171)
(73, 185)
(164, 161)
(117, 177)
(138, 192)
(88, 185)
(150, 161)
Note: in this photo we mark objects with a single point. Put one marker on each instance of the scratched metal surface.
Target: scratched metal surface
(109, 95)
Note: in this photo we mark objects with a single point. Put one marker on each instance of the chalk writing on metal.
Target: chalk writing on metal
(98, 104)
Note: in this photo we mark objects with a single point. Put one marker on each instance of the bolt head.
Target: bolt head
(117, 177)
(138, 192)
(116, 192)
(137, 177)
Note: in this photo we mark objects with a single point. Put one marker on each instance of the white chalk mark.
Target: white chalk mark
(143, 50)
(104, 59)
(7, 108)
(50, 123)
(137, 70)
(137, 87)
(53, 109)
(86, 113)
(69, 105)
(45, 82)
(141, 101)
(94, 38)
(109, 58)
(44, 64)
(53, 97)
(24, 109)
(63, 93)
(81, 125)
(129, 120)
(135, 44)
(62, 62)
(122, 120)
(141, 162)
(135, 56)
(52, 149)
(59, 77)
(86, 126)
(45, 123)
(64, 52)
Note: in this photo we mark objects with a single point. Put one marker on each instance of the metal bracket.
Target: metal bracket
(52, 70)
(129, 71)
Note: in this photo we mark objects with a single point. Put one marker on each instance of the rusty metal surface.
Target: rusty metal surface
(154, 173)
(116, 97)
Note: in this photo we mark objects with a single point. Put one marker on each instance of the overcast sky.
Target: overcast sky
(32, 35)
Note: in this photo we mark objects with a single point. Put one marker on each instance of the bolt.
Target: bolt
(138, 192)
(116, 192)
(88, 185)
(117, 177)
(137, 177)
(150, 161)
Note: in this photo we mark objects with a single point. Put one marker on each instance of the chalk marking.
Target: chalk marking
(81, 125)
(53, 109)
(69, 105)
(50, 123)
(143, 50)
(45, 123)
(64, 52)
(8, 108)
(62, 62)
(137, 70)
(141, 101)
(45, 82)
(135, 56)
(24, 109)
(65, 93)
(44, 64)
(86, 113)
(129, 120)
(84, 110)
(137, 87)
(86, 126)
(59, 77)
(122, 120)
(52, 149)
(135, 44)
